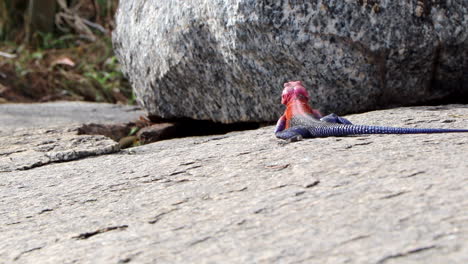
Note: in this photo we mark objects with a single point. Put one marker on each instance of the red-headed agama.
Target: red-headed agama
(301, 121)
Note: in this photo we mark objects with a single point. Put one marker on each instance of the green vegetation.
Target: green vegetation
(72, 60)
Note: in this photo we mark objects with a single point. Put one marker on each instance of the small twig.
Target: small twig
(7, 55)
(87, 37)
(97, 11)
(70, 18)
(63, 5)
(94, 25)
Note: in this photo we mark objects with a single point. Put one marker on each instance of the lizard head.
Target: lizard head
(294, 90)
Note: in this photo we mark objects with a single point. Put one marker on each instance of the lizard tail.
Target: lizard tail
(344, 130)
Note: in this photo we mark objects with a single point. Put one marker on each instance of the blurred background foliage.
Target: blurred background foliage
(59, 50)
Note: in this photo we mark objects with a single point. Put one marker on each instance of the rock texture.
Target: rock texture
(246, 197)
(29, 148)
(34, 135)
(13, 116)
(227, 60)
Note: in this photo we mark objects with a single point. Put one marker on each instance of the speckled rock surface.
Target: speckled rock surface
(246, 197)
(227, 60)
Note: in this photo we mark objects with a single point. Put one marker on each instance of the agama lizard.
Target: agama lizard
(301, 121)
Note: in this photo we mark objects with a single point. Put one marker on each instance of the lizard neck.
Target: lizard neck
(298, 106)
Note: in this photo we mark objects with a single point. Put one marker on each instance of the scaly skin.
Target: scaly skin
(301, 121)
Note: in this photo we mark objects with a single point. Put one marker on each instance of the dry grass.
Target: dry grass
(75, 62)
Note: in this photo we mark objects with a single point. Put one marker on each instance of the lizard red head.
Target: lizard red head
(293, 90)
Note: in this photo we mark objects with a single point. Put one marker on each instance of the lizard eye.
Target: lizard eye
(285, 98)
(288, 90)
(300, 90)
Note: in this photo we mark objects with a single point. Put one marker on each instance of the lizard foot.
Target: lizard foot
(295, 139)
(293, 134)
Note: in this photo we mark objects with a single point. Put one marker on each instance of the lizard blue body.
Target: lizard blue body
(301, 121)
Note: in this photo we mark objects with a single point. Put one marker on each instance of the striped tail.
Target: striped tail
(344, 130)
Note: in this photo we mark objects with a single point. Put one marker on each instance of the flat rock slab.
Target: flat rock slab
(13, 116)
(246, 197)
(29, 148)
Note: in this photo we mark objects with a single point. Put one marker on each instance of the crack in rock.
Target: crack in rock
(46, 210)
(239, 190)
(393, 195)
(181, 202)
(278, 167)
(413, 174)
(279, 186)
(177, 173)
(358, 144)
(129, 258)
(87, 235)
(156, 179)
(159, 216)
(405, 254)
(26, 252)
(44, 146)
(199, 241)
(357, 238)
(313, 184)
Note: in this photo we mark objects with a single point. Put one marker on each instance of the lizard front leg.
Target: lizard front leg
(281, 124)
(291, 134)
(294, 134)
